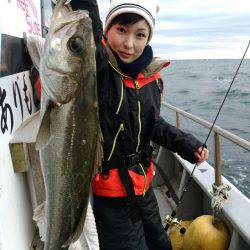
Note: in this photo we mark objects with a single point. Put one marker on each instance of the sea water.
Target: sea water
(198, 87)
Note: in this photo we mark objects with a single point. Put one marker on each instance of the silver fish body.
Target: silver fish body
(69, 136)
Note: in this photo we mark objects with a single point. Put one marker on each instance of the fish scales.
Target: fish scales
(69, 137)
(67, 174)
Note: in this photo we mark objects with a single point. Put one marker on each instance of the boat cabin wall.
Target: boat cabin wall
(16, 105)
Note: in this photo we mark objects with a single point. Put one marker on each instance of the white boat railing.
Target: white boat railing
(218, 132)
(236, 207)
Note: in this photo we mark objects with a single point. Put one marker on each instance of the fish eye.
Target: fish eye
(76, 45)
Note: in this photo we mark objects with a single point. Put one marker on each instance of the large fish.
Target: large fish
(69, 138)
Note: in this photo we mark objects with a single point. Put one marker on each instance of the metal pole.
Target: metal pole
(177, 120)
(217, 159)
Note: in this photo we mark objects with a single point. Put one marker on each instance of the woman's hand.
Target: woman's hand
(201, 155)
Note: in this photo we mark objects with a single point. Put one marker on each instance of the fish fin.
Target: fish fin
(35, 47)
(43, 136)
(76, 235)
(27, 131)
(89, 237)
(39, 218)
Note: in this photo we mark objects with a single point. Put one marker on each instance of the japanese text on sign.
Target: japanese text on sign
(22, 102)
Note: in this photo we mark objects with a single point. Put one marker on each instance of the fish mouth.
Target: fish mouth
(72, 75)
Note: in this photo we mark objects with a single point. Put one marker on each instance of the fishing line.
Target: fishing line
(185, 189)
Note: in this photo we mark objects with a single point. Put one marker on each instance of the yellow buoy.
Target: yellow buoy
(203, 235)
(176, 237)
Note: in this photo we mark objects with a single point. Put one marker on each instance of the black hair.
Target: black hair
(125, 19)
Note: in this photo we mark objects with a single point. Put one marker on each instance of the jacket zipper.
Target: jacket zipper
(139, 133)
(121, 99)
(121, 128)
(137, 87)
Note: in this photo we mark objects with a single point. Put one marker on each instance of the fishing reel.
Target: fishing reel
(171, 221)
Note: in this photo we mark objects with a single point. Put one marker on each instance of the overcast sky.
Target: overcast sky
(190, 29)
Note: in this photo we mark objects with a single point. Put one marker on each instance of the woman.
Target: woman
(129, 93)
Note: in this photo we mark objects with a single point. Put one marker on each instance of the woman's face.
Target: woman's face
(128, 41)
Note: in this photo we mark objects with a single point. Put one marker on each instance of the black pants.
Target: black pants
(116, 231)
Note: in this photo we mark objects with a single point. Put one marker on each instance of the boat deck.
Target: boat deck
(164, 206)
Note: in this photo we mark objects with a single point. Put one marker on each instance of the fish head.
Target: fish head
(69, 51)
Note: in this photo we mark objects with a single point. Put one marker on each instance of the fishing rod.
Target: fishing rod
(185, 189)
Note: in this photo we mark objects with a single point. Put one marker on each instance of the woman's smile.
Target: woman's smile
(129, 41)
(124, 54)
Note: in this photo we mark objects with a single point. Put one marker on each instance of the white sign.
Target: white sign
(18, 16)
(16, 94)
(16, 103)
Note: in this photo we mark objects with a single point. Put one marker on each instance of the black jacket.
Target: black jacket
(153, 126)
(129, 111)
